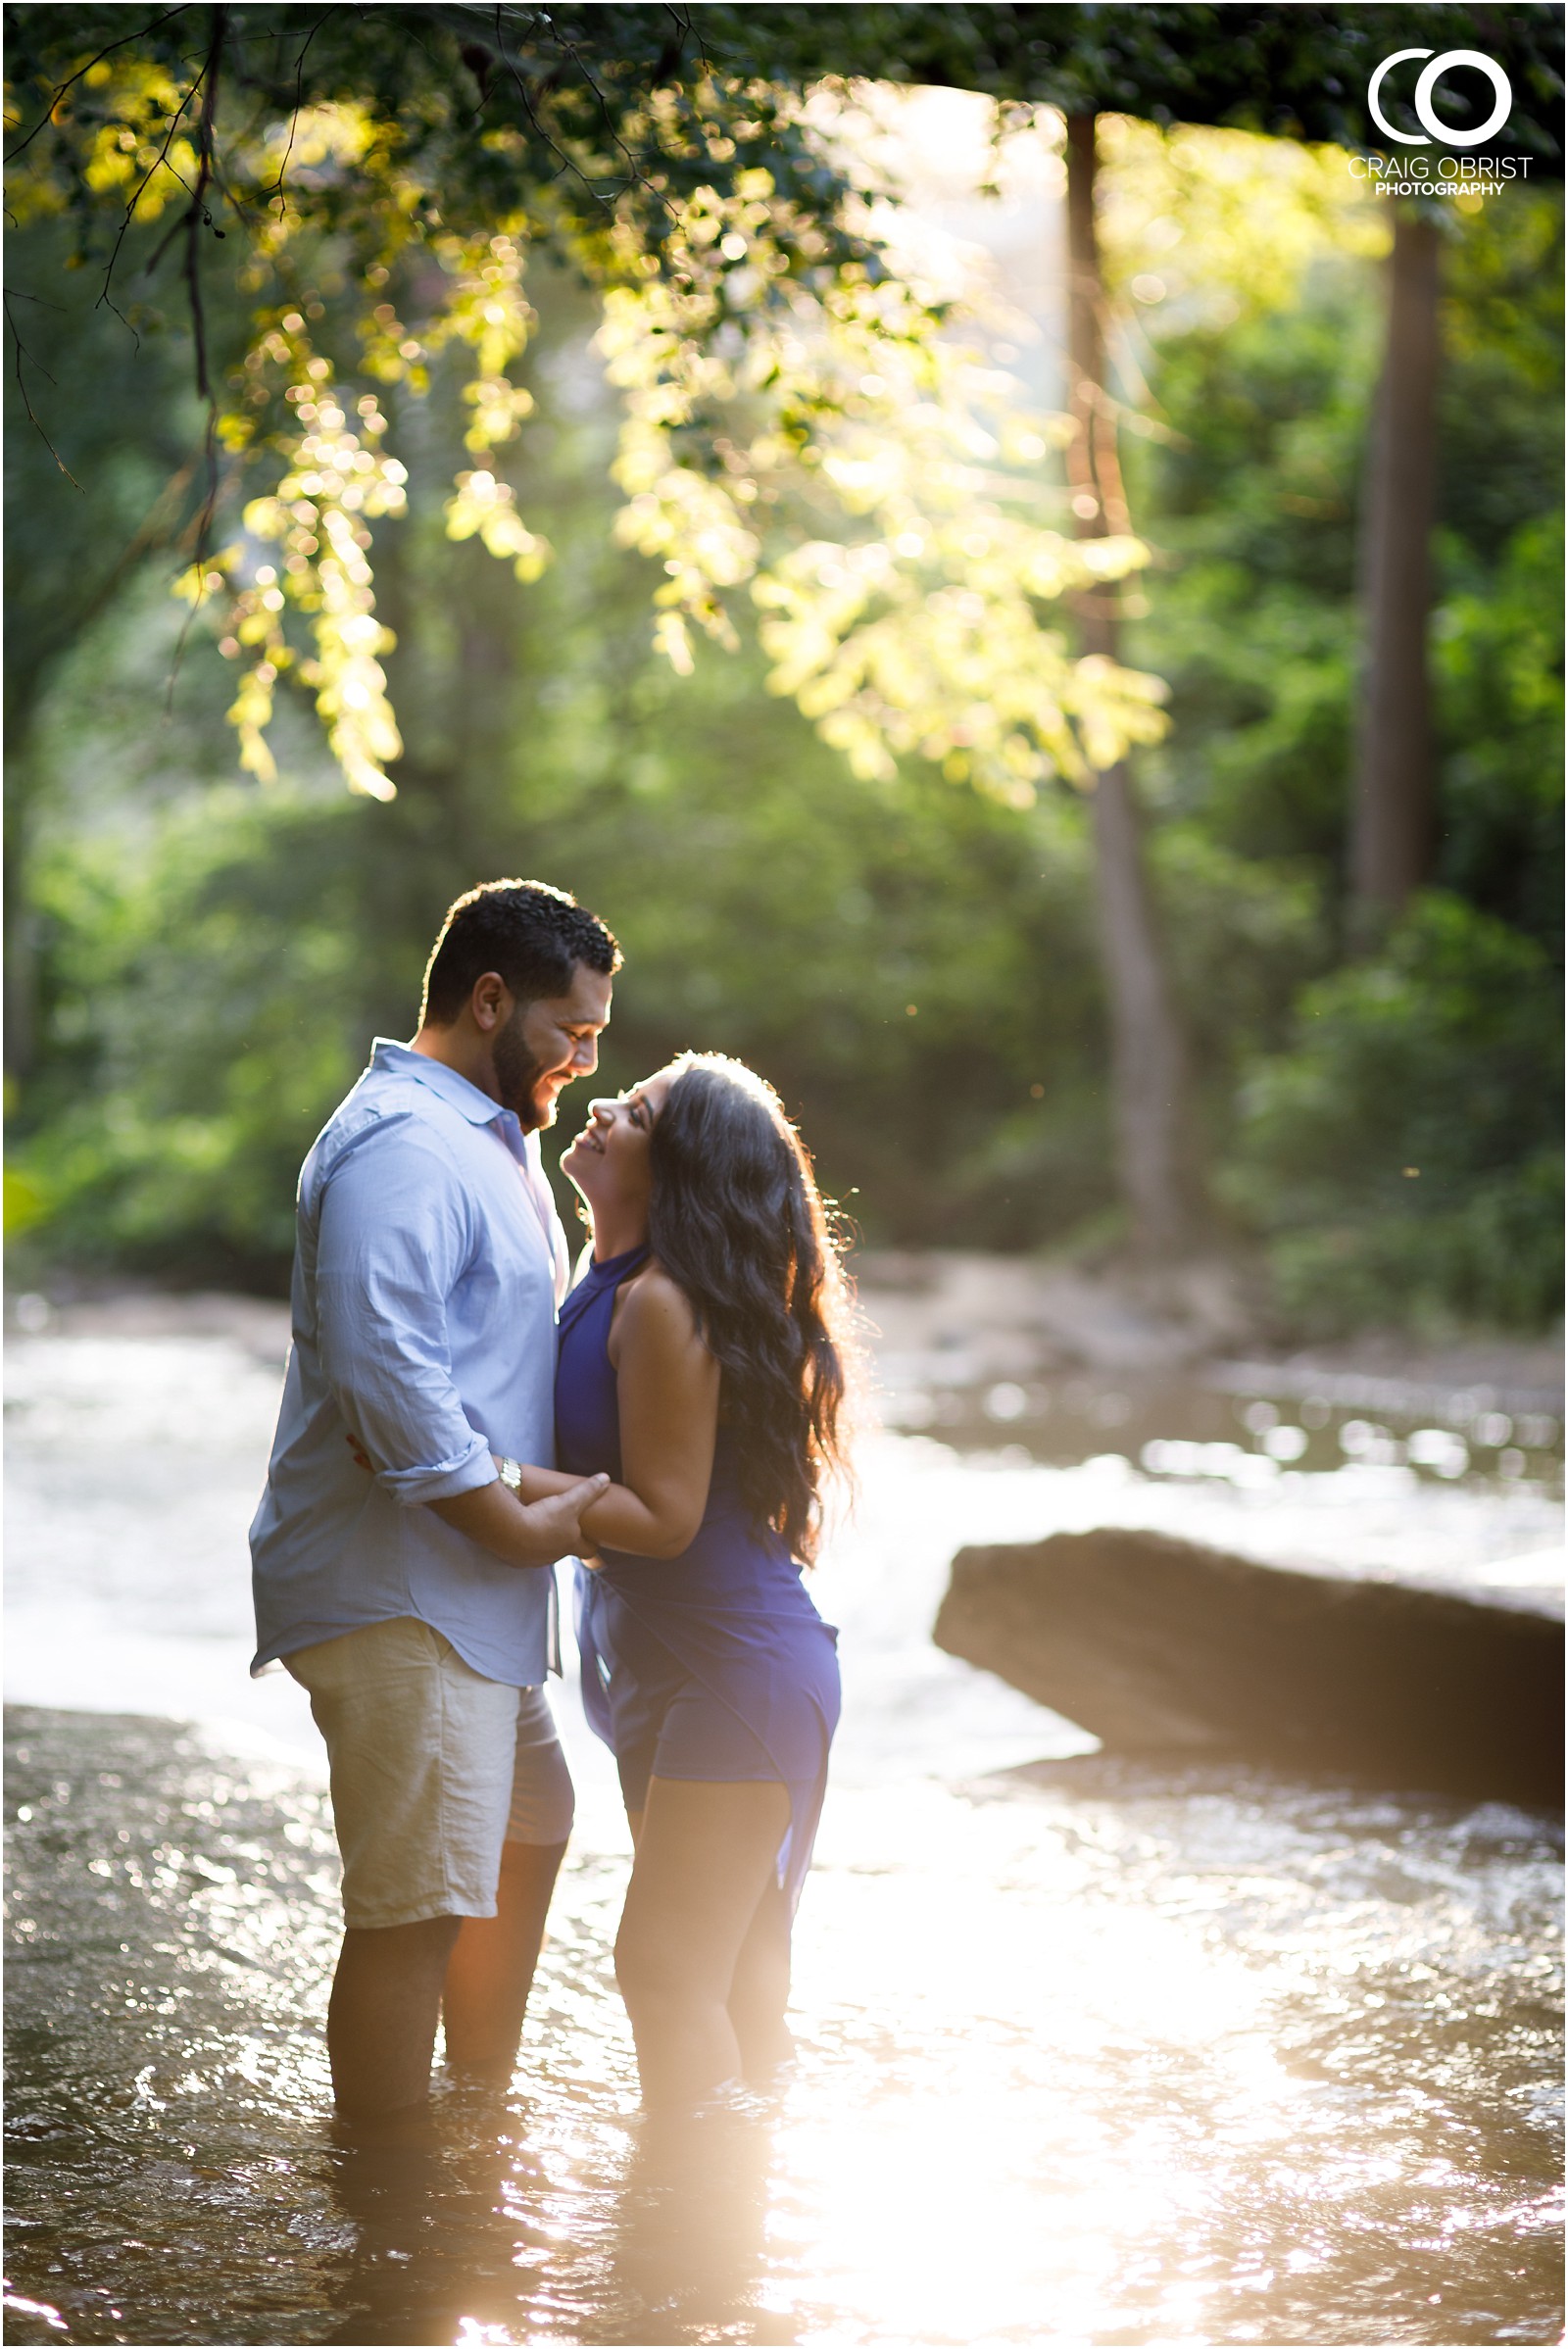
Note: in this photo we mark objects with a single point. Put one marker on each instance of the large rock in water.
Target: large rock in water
(1151, 1643)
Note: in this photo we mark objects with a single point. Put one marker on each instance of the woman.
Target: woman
(704, 1359)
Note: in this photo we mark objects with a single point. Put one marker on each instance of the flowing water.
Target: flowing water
(1090, 2052)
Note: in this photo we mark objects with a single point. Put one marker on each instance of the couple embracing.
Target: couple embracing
(457, 1417)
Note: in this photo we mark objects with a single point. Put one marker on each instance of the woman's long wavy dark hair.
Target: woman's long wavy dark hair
(736, 1222)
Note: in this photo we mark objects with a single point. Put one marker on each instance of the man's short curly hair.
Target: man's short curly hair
(534, 936)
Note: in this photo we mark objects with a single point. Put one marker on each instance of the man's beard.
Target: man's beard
(517, 1077)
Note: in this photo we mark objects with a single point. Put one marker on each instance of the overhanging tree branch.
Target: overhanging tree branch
(71, 80)
(25, 354)
(196, 219)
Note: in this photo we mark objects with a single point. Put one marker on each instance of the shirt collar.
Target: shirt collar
(476, 1107)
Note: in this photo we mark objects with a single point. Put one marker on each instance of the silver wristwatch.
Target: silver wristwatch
(510, 1475)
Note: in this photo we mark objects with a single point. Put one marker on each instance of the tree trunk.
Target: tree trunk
(1149, 1075)
(22, 927)
(1392, 828)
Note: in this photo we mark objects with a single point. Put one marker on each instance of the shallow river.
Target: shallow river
(1090, 2052)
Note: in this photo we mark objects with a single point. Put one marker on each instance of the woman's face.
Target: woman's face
(607, 1165)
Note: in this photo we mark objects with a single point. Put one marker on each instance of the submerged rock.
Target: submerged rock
(1156, 1643)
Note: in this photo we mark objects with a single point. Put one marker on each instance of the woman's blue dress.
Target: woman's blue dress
(710, 1665)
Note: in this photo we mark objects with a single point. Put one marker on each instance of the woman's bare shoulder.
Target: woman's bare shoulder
(656, 1308)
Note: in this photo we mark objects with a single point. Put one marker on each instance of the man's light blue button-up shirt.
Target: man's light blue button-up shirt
(428, 1267)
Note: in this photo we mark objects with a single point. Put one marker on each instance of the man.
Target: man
(416, 1604)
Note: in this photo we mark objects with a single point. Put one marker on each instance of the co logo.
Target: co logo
(1431, 76)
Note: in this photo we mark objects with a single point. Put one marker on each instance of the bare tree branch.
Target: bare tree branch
(196, 219)
(266, 194)
(683, 18)
(23, 352)
(639, 177)
(141, 189)
(48, 113)
(539, 131)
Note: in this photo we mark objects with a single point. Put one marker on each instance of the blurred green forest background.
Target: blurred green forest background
(198, 962)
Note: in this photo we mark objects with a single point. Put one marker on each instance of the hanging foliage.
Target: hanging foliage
(806, 430)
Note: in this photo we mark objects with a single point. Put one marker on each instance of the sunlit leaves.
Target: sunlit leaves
(336, 479)
(1202, 225)
(339, 480)
(134, 148)
(877, 490)
(803, 434)
(484, 508)
(889, 665)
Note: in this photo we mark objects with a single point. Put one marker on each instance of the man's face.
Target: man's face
(547, 1043)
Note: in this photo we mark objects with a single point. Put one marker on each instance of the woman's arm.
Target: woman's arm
(667, 1384)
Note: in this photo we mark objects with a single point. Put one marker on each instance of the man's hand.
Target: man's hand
(556, 1522)
(522, 1534)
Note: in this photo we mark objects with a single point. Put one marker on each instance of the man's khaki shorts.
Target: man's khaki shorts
(434, 1768)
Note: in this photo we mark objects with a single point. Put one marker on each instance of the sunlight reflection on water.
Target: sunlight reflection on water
(1095, 2051)
(1089, 2051)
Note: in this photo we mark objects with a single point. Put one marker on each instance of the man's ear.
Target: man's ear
(490, 1002)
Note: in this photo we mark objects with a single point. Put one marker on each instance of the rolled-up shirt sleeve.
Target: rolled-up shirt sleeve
(393, 1240)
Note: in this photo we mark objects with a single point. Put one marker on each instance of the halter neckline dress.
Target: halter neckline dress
(711, 1665)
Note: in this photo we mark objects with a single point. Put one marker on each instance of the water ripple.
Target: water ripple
(1088, 2050)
